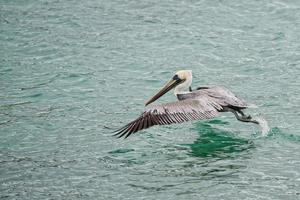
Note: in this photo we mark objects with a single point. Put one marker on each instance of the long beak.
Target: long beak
(167, 87)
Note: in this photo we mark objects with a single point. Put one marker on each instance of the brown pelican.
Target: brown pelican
(202, 103)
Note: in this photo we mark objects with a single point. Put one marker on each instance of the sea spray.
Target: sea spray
(262, 122)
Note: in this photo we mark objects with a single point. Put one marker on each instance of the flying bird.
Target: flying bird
(200, 104)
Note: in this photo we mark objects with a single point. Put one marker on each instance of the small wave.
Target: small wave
(277, 132)
(121, 151)
(252, 105)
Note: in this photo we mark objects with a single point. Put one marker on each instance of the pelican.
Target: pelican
(200, 104)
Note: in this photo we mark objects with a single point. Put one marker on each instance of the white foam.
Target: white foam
(263, 124)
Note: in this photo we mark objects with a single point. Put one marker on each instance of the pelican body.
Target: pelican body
(200, 104)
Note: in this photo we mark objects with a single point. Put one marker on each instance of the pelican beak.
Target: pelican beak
(167, 87)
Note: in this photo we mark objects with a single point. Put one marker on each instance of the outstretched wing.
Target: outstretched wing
(176, 112)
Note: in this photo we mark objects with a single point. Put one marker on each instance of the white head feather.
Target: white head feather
(187, 77)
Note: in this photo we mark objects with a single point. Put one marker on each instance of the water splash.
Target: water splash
(263, 124)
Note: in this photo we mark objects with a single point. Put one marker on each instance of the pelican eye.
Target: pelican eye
(176, 78)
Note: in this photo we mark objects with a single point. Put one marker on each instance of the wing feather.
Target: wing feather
(170, 113)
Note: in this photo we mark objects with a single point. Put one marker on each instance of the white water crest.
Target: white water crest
(263, 124)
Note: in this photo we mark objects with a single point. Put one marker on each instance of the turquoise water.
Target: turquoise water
(71, 72)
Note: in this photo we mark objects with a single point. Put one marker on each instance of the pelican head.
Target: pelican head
(181, 81)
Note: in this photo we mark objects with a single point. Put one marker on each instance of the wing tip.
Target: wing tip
(125, 130)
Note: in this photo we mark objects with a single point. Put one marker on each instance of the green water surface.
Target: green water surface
(71, 72)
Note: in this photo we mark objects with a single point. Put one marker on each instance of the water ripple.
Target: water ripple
(71, 72)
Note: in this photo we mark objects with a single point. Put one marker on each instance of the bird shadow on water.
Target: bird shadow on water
(217, 143)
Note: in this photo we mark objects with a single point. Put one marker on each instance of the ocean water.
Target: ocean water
(72, 72)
